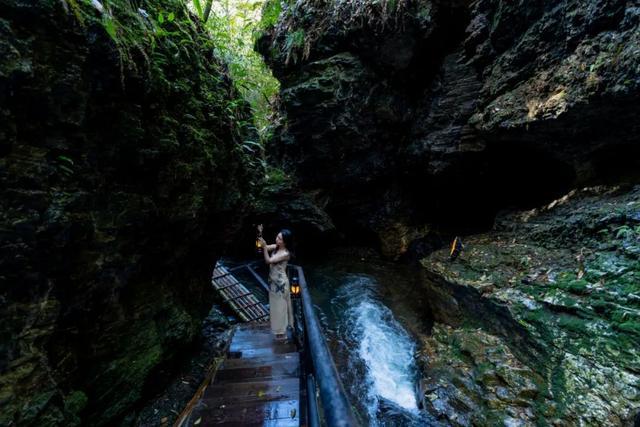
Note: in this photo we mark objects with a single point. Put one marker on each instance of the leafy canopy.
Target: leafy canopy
(233, 25)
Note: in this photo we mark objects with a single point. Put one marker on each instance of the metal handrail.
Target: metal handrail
(323, 373)
(335, 405)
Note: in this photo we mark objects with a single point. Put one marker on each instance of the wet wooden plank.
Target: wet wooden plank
(257, 340)
(248, 389)
(247, 328)
(260, 361)
(252, 412)
(285, 392)
(258, 352)
(262, 345)
(279, 369)
(265, 423)
(255, 345)
(261, 386)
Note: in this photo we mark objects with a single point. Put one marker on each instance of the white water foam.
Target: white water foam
(379, 343)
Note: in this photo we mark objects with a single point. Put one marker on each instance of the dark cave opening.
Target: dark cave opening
(523, 176)
(617, 163)
(508, 175)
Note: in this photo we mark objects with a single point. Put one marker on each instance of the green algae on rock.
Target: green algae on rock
(471, 377)
(558, 287)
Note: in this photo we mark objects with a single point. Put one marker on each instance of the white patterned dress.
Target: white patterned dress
(280, 309)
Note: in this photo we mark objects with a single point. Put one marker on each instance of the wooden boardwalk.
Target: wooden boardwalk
(239, 298)
(258, 384)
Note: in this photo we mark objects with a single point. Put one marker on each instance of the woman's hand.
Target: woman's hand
(263, 242)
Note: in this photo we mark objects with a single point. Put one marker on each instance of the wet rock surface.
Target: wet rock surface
(164, 409)
(472, 378)
(409, 113)
(280, 203)
(121, 180)
(554, 292)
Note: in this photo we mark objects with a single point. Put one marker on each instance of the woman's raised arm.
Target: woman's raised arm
(276, 258)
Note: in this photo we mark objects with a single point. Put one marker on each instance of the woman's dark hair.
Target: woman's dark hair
(287, 238)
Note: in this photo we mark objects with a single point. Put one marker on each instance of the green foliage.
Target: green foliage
(270, 13)
(169, 44)
(277, 177)
(110, 27)
(293, 42)
(198, 7)
(626, 232)
(76, 10)
(65, 165)
(233, 25)
(76, 401)
(629, 327)
(295, 26)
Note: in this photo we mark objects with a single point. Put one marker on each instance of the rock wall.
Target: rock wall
(121, 180)
(423, 112)
(415, 118)
(539, 320)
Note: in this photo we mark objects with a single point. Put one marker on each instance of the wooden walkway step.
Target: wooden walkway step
(257, 385)
(239, 298)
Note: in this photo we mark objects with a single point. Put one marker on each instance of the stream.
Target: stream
(371, 313)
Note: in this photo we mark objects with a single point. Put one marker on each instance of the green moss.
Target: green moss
(573, 324)
(174, 58)
(270, 13)
(558, 388)
(578, 287)
(39, 410)
(600, 306)
(629, 327)
(76, 401)
(127, 375)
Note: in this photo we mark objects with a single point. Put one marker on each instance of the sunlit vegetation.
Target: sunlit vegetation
(154, 38)
(234, 25)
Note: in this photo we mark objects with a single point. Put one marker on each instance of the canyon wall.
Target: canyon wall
(415, 113)
(122, 178)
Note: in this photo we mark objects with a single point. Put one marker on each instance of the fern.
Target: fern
(198, 7)
(75, 9)
(624, 232)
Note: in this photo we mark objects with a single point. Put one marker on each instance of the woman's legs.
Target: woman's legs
(277, 312)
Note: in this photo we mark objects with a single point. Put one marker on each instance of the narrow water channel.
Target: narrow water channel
(371, 313)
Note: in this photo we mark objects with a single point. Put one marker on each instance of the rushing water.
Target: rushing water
(365, 313)
(377, 341)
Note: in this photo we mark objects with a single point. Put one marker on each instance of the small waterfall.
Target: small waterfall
(379, 354)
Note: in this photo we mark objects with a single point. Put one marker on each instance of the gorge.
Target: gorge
(128, 167)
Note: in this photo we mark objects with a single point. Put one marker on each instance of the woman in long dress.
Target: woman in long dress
(280, 309)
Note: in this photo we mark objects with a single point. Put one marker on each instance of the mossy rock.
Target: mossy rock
(629, 327)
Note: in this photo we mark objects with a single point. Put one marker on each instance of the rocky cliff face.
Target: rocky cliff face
(539, 320)
(412, 113)
(122, 178)
(414, 116)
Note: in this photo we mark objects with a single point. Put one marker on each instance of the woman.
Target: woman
(280, 308)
